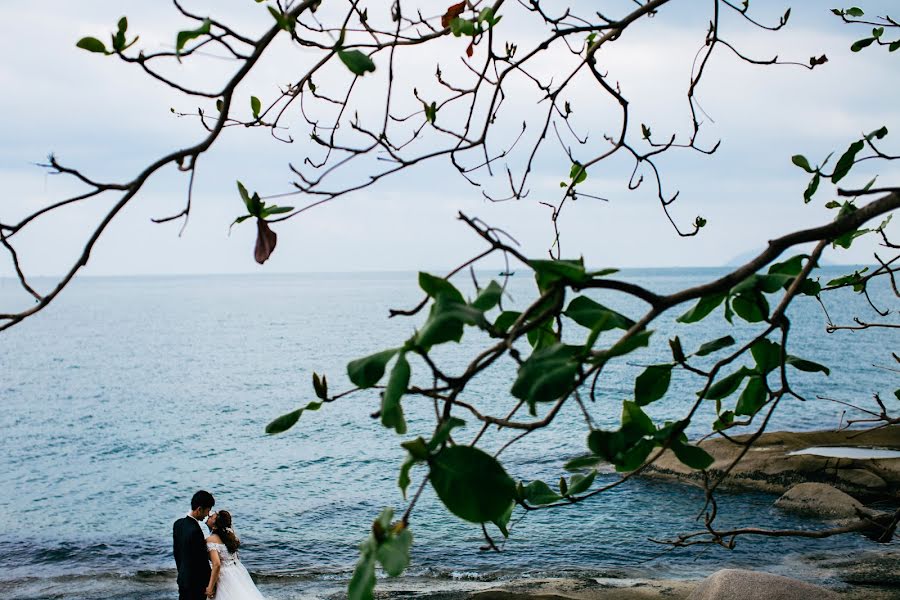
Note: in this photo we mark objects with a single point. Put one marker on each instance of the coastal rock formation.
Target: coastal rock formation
(739, 584)
(820, 499)
(769, 465)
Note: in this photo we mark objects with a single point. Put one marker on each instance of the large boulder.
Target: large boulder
(821, 500)
(740, 584)
(771, 465)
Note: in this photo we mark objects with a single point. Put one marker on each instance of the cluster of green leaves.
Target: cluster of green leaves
(841, 169)
(286, 421)
(388, 544)
(476, 26)
(118, 41)
(747, 299)
(877, 32)
(256, 207)
(629, 446)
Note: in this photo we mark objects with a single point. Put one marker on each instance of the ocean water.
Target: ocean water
(128, 394)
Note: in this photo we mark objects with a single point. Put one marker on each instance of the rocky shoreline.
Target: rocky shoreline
(770, 466)
(869, 576)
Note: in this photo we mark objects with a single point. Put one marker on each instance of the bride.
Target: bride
(229, 579)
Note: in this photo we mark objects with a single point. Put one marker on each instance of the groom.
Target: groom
(189, 547)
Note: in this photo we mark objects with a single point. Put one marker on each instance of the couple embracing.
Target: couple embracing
(209, 568)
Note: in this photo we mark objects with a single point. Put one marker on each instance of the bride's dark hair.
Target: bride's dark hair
(223, 530)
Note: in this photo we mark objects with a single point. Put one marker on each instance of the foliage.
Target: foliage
(563, 339)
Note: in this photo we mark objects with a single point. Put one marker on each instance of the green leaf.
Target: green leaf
(593, 315)
(362, 583)
(320, 386)
(751, 306)
(809, 366)
(715, 345)
(393, 554)
(752, 398)
(366, 372)
(489, 297)
(578, 484)
(767, 355)
(723, 421)
(587, 461)
(652, 384)
(693, 456)
(606, 444)
(855, 12)
(185, 36)
(547, 375)
(538, 492)
(92, 44)
(845, 162)
(878, 133)
(503, 521)
(860, 44)
(727, 385)
(791, 266)
(635, 456)
(704, 306)
(403, 480)
(119, 38)
(275, 210)
(811, 188)
(283, 21)
(543, 336)
(248, 202)
(430, 111)
(471, 484)
(460, 27)
(548, 272)
(894, 46)
(442, 433)
(852, 278)
(577, 173)
(800, 161)
(358, 63)
(445, 322)
(285, 422)
(418, 448)
(391, 409)
(241, 219)
(437, 287)
(506, 320)
(255, 106)
(635, 421)
(639, 340)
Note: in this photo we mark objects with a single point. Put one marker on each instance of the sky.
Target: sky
(109, 120)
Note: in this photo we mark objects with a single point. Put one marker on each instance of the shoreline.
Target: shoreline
(870, 575)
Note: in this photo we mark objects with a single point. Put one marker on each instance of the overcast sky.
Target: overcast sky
(104, 117)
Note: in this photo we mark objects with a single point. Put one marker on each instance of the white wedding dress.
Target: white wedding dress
(234, 580)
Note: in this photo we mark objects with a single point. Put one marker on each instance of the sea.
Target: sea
(128, 394)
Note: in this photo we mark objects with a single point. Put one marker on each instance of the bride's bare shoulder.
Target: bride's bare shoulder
(214, 539)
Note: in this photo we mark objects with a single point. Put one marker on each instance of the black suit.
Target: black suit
(191, 559)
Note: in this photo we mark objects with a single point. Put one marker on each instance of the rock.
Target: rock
(819, 499)
(861, 477)
(769, 465)
(868, 568)
(739, 584)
